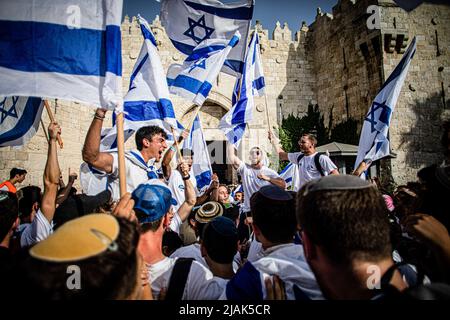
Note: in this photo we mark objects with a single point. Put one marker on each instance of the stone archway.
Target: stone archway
(210, 114)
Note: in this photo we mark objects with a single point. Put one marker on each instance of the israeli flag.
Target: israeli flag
(189, 23)
(66, 49)
(374, 142)
(19, 119)
(290, 174)
(193, 80)
(147, 101)
(201, 163)
(234, 121)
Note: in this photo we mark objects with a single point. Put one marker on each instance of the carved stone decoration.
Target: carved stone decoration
(259, 108)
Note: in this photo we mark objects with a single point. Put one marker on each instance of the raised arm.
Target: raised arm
(51, 174)
(211, 194)
(64, 191)
(190, 198)
(231, 156)
(167, 159)
(282, 155)
(91, 149)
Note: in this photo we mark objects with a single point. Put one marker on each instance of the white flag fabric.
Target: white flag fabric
(188, 23)
(374, 142)
(19, 119)
(66, 49)
(289, 173)
(234, 122)
(148, 100)
(201, 162)
(194, 79)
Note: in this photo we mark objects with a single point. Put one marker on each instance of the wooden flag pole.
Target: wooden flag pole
(52, 119)
(191, 122)
(121, 154)
(180, 157)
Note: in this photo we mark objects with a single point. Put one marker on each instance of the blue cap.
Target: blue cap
(153, 200)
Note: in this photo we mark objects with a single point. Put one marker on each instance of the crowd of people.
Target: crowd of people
(331, 237)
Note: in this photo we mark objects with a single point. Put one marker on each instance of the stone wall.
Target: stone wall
(424, 101)
(336, 62)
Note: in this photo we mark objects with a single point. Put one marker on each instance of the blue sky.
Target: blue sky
(266, 11)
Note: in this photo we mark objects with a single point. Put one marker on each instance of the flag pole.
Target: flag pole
(52, 119)
(176, 144)
(191, 122)
(121, 154)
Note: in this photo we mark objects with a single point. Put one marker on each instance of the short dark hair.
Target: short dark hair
(185, 152)
(109, 275)
(16, 171)
(220, 248)
(148, 226)
(275, 218)
(8, 212)
(311, 138)
(148, 132)
(171, 241)
(30, 195)
(347, 224)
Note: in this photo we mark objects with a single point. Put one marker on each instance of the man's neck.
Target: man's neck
(150, 247)
(309, 152)
(257, 166)
(224, 271)
(13, 181)
(357, 283)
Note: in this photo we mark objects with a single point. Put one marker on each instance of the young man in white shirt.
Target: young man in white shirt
(41, 224)
(153, 207)
(139, 164)
(254, 176)
(311, 165)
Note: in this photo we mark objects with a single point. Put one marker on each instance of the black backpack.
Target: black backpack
(316, 162)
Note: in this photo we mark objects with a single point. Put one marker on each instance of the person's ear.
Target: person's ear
(146, 142)
(308, 247)
(35, 207)
(203, 250)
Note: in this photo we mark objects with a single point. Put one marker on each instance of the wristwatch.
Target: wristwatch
(187, 177)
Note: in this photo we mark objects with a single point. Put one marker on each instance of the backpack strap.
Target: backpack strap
(300, 157)
(317, 163)
(178, 279)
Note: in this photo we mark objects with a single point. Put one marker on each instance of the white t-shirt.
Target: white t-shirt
(307, 170)
(176, 184)
(251, 183)
(36, 231)
(137, 172)
(200, 283)
(193, 251)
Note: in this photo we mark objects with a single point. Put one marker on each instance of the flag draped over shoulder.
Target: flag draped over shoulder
(194, 79)
(190, 22)
(19, 119)
(66, 49)
(147, 101)
(201, 162)
(374, 141)
(234, 122)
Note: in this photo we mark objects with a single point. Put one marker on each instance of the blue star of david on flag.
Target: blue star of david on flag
(199, 64)
(11, 112)
(190, 32)
(383, 117)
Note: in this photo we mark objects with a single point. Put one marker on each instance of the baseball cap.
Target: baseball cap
(153, 200)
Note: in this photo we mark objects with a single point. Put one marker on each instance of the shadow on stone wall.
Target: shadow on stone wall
(423, 140)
